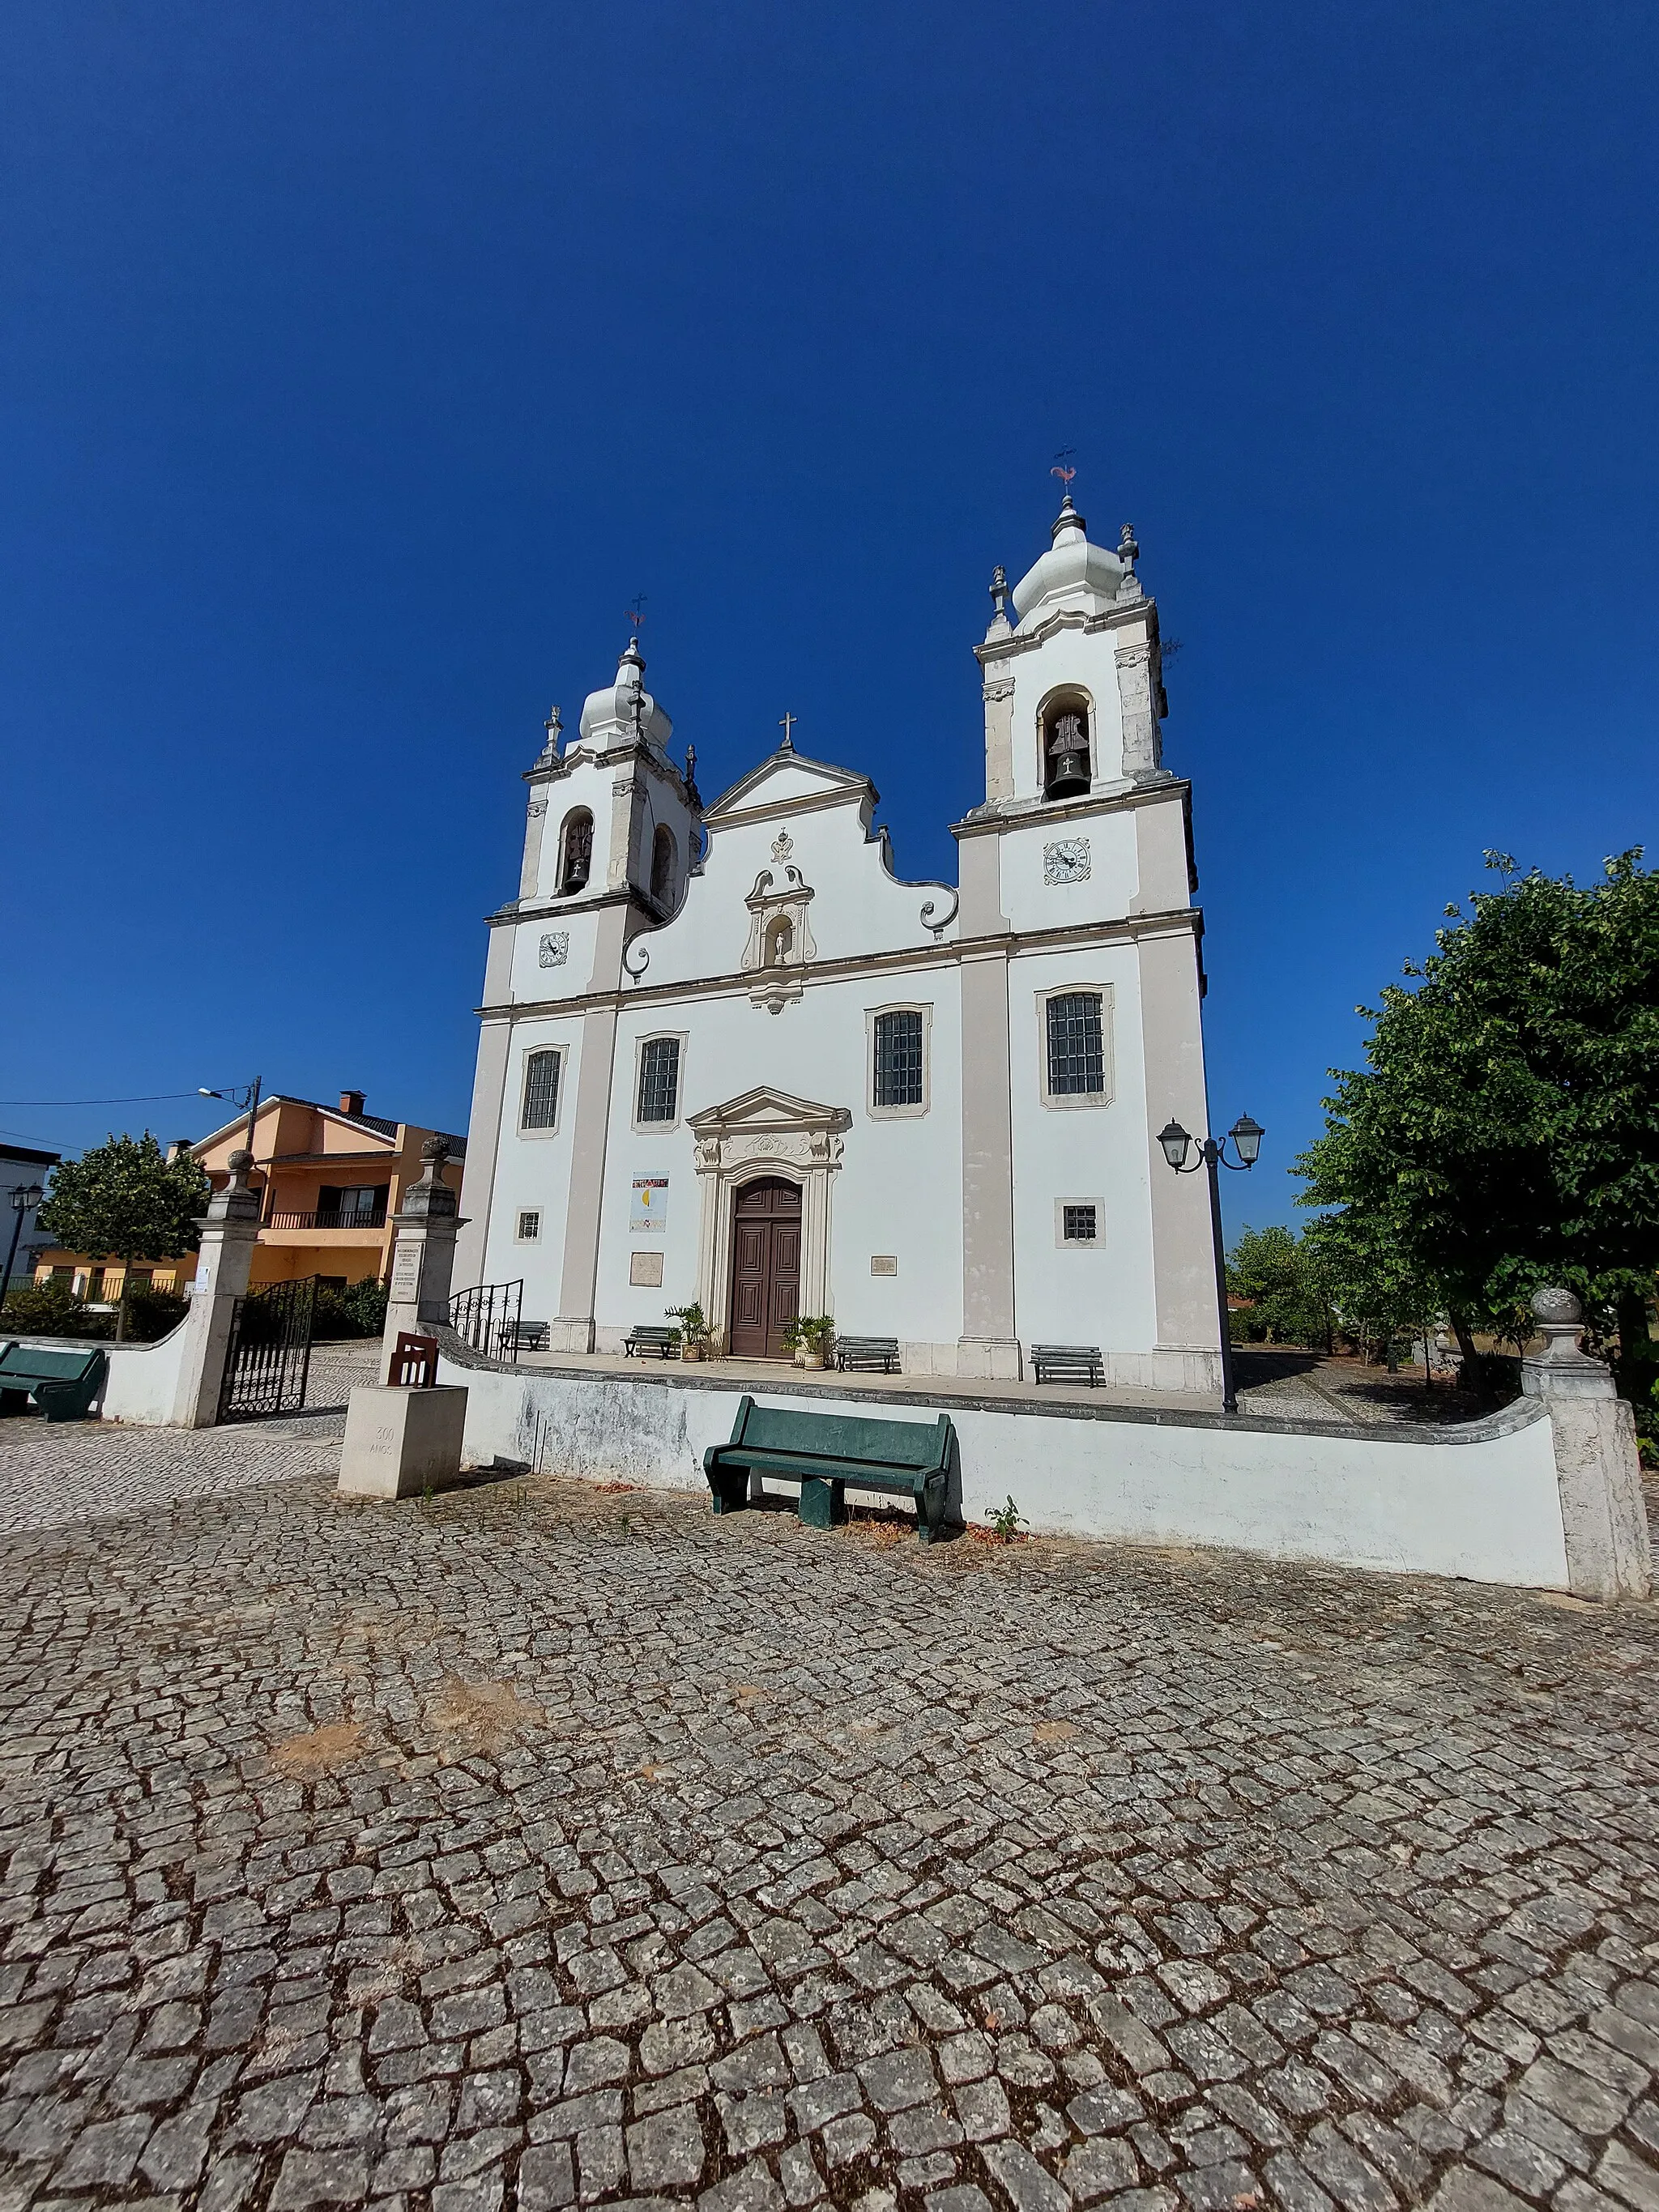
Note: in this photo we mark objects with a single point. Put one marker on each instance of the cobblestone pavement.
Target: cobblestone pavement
(543, 1846)
(85, 1470)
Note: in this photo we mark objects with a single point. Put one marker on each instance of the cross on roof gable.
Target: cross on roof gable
(790, 779)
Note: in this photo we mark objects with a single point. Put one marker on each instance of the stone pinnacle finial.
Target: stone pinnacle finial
(1563, 1368)
(1000, 590)
(1127, 552)
(239, 1164)
(431, 1195)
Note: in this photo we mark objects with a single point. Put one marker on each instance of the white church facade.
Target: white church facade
(728, 1056)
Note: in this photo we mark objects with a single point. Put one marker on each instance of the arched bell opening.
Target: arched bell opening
(576, 851)
(663, 858)
(1066, 753)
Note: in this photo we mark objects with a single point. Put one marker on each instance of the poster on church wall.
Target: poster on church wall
(649, 1208)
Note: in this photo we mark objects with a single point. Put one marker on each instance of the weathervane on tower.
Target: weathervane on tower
(1063, 470)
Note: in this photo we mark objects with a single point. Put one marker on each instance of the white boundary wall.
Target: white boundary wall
(1481, 1502)
(143, 1382)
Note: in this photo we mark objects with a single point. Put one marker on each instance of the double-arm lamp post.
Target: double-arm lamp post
(23, 1199)
(1178, 1145)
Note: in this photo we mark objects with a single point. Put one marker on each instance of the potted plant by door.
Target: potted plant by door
(693, 1330)
(811, 1336)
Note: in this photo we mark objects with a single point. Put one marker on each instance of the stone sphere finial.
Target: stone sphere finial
(239, 1164)
(1558, 1307)
(436, 1151)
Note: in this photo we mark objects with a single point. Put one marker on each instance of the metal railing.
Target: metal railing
(284, 1220)
(486, 1317)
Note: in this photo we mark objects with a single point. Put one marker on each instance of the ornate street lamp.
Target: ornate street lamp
(1178, 1145)
(24, 1199)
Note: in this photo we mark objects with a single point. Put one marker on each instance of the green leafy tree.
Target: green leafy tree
(1505, 1134)
(123, 1201)
(1278, 1272)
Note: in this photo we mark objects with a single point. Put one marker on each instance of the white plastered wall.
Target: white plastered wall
(1484, 1505)
(898, 1192)
(1103, 1296)
(532, 1170)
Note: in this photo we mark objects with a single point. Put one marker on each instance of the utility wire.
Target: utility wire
(149, 1098)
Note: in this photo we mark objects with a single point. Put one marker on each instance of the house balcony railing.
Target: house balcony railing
(281, 1220)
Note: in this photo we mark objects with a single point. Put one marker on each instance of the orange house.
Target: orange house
(330, 1180)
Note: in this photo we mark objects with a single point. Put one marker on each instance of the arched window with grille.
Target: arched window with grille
(540, 1107)
(576, 851)
(662, 864)
(1077, 1040)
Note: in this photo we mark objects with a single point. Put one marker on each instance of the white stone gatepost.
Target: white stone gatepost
(1597, 1468)
(229, 1230)
(423, 1256)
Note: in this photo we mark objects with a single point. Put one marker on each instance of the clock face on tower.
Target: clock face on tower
(1065, 861)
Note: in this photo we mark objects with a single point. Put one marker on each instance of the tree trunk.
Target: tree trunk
(1460, 1329)
(1638, 1353)
(121, 1304)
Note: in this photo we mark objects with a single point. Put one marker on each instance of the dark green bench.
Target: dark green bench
(63, 1384)
(824, 1452)
(650, 1337)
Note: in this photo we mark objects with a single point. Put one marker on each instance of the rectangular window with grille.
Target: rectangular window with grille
(899, 1071)
(1077, 1225)
(541, 1091)
(1077, 1051)
(660, 1080)
(530, 1227)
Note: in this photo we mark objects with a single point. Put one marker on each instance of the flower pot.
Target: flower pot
(811, 1359)
(692, 1351)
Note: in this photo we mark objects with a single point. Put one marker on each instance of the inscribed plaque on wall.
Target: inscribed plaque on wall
(645, 1270)
(648, 1207)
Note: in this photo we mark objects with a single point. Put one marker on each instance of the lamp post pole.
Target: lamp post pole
(25, 1197)
(1178, 1145)
(246, 1095)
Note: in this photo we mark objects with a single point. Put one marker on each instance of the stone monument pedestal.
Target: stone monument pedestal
(402, 1442)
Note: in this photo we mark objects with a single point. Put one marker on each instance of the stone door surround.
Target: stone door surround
(764, 1132)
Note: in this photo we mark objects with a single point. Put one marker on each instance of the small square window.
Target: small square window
(530, 1226)
(1079, 1223)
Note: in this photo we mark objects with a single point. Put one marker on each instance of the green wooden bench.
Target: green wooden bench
(651, 1337)
(63, 1384)
(824, 1452)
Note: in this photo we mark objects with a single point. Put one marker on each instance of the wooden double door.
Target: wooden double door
(765, 1268)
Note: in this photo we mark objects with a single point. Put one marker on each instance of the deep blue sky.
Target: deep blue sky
(359, 362)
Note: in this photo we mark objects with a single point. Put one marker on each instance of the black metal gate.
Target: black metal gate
(269, 1363)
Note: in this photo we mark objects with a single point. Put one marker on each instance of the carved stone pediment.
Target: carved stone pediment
(764, 1124)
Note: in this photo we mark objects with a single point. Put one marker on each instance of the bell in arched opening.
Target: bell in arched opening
(1067, 755)
(576, 857)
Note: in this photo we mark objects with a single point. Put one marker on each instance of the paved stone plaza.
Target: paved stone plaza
(545, 1845)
